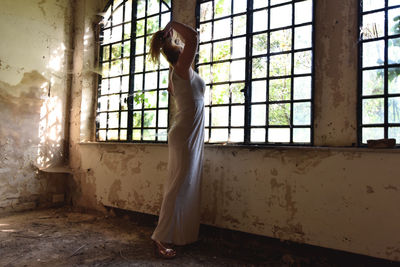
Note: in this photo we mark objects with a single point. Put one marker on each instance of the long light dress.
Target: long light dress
(179, 218)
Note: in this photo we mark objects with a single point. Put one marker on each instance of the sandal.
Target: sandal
(164, 252)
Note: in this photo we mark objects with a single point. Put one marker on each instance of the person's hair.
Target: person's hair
(159, 44)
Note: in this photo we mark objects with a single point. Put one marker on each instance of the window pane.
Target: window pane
(112, 135)
(303, 37)
(162, 134)
(238, 70)
(260, 44)
(394, 132)
(205, 53)
(260, 20)
(372, 133)
(280, 65)
(219, 135)
(393, 21)
(237, 135)
(149, 118)
(394, 80)
(237, 116)
(113, 102)
(394, 110)
(220, 94)
(303, 11)
(122, 135)
(281, 40)
(237, 96)
(279, 89)
(221, 50)
(372, 82)
(163, 118)
(302, 113)
(219, 116)
(149, 134)
(102, 119)
(220, 72)
(373, 53)
(258, 113)
(163, 99)
(279, 135)
(373, 4)
(106, 53)
(373, 111)
(139, 45)
(239, 6)
(125, 84)
(258, 91)
(115, 85)
(150, 80)
(259, 67)
(302, 88)
(136, 135)
(222, 8)
(373, 25)
(394, 49)
(257, 135)
(102, 135)
(113, 120)
(222, 28)
(150, 99)
(281, 16)
(279, 114)
(239, 25)
(301, 135)
(152, 24)
(124, 119)
(205, 11)
(238, 47)
(205, 32)
(205, 73)
(302, 62)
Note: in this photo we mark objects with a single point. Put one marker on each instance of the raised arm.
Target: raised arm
(189, 36)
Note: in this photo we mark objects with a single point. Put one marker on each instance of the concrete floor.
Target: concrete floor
(63, 237)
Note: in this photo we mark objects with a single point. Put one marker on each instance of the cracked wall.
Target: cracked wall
(335, 197)
(33, 96)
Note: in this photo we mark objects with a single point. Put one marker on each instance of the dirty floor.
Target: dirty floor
(63, 237)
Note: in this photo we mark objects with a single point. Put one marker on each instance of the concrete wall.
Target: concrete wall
(34, 52)
(335, 197)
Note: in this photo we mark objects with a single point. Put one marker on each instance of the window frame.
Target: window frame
(386, 95)
(131, 74)
(248, 80)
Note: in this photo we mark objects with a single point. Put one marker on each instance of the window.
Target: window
(256, 58)
(132, 95)
(379, 52)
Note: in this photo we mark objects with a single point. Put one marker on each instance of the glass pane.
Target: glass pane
(102, 135)
(236, 95)
(280, 65)
(259, 3)
(116, 34)
(372, 82)
(105, 71)
(279, 135)
(279, 114)
(137, 119)
(149, 118)
(118, 14)
(113, 102)
(394, 109)
(394, 49)
(163, 99)
(103, 103)
(150, 99)
(372, 4)
(139, 47)
(220, 94)
(394, 80)
(138, 82)
(237, 135)
(258, 91)
(106, 36)
(260, 20)
(104, 86)
(207, 116)
(112, 135)
(276, 2)
(260, 44)
(113, 120)
(127, 49)
(302, 88)
(206, 135)
(373, 111)
(373, 25)
(281, 16)
(393, 2)
(141, 8)
(149, 134)
(279, 89)
(125, 66)
(394, 132)
(102, 120)
(259, 67)
(207, 96)
(372, 133)
(115, 85)
(139, 64)
(153, 7)
(303, 38)
(116, 68)
(163, 118)
(124, 119)
(281, 40)
(205, 53)
(136, 135)
(222, 8)
(205, 73)
(219, 116)
(125, 84)
(257, 135)
(164, 76)
(127, 31)
(220, 72)
(222, 28)
(140, 27)
(205, 32)
(303, 11)
(238, 47)
(258, 114)
(128, 10)
(302, 113)
(150, 80)
(393, 21)
(239, 25)
(237, 116)
(239, 6)
(138, 99)
(123, 135)
(373, 53)
(106, 53)
(302, 62)
(152, 25)
(165, 18)
(301, 135)
(205, 11)
(238, 70)
(124, 102)
(162, 134)
(219, 135)
(221, 50)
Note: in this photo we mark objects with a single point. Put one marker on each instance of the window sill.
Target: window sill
(262, 147)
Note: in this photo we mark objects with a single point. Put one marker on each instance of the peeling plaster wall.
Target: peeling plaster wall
(33, 95)
(335, 197)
